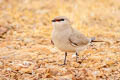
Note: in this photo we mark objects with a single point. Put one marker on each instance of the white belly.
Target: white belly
(63, 46)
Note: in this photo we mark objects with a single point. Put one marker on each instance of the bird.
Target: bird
(68, 39)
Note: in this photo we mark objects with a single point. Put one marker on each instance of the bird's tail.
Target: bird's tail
(93, 40)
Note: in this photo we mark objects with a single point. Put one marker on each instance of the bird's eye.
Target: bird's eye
(62, 20)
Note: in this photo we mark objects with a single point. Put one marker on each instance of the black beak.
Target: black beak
(53, 20)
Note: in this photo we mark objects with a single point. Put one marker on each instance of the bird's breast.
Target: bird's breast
(61, 40)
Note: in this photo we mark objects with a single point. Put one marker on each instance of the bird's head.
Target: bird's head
(61, 21)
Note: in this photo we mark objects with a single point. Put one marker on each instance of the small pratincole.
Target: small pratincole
(68, 39)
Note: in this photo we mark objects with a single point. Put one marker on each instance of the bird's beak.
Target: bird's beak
(53, 20)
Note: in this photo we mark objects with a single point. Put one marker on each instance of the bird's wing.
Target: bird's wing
(78, 39)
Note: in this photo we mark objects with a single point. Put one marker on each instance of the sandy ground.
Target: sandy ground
(25, 33)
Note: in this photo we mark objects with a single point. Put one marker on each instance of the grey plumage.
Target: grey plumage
(66, 38)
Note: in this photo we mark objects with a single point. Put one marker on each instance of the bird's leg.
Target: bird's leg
(76, 57)
(65, 58)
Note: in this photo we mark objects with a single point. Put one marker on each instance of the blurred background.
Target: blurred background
(25, 34)
(33, 17)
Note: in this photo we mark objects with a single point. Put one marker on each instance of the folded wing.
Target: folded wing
(78, 39)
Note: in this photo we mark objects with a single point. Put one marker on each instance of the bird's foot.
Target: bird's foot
(62, 64)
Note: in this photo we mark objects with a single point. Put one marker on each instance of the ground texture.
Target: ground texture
(25, 33)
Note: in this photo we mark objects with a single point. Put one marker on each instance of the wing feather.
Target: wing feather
(78, 39)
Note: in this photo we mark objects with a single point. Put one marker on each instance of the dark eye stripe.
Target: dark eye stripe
(57, 20)
(62, 20)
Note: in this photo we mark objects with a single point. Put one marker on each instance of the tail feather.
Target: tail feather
(93, 40)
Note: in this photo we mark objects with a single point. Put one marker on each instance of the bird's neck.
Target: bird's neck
(61, 28)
